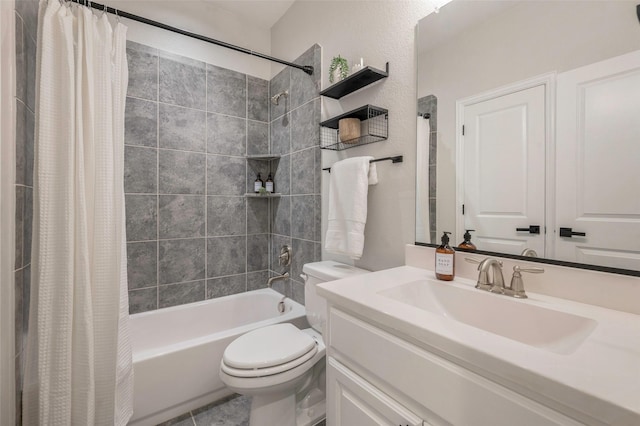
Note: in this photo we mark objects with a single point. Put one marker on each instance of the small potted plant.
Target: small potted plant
(339, 69)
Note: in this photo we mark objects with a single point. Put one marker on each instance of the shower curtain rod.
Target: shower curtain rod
(306, 68)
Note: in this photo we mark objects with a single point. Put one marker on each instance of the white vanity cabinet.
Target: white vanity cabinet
(377, 378)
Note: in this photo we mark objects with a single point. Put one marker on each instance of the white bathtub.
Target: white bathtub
(177, 351)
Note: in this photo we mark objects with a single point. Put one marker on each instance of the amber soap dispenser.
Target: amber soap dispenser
(445, 260)
(467, 244)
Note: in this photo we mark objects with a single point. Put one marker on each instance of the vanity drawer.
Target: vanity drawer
(351, 400)
(454, 394)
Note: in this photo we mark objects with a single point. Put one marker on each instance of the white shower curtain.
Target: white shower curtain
(79, 369)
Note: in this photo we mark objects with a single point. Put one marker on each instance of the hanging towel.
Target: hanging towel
(348, 189)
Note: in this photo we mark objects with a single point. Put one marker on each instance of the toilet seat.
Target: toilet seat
(268, 351)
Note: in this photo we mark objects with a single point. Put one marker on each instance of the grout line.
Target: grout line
(206, 179)
(246, 182)
(157, 184)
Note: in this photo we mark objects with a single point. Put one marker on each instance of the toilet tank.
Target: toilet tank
(318, 273)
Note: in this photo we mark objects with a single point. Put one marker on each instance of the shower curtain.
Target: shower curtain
(79, 369)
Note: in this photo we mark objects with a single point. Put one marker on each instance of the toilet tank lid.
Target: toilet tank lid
(329, 270)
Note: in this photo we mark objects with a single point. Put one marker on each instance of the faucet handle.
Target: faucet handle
(517, 284)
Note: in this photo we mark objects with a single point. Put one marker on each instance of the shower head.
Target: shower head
(275, 99)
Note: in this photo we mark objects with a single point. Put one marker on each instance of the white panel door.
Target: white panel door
(504, 171)
(598, 163)
(353, 401)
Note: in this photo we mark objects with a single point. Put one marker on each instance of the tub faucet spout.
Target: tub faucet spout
(277, 278)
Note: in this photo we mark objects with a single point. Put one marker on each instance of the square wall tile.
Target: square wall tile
(182, 81)
(305, 126)
(21, 63)
(257, 252)
(30, 56)
(140, 170)
(302, 217)
(282, 174)
(181, 293)
(19, 226)
(303, 252)
(226, 135)
(281, 215)
(182, 128)
(226, 216)
(226, 91)
(258, 99)
(143, 300)
(142, 217)
(142, 262)
(305, 87)
(181, 172)
(141, 122)
(226, 175)
(181, 260)
(181, 216)
(277, 241)
(257, 137)
(226, 256)
(225, 286)
(257, 280)
(281, 135)
(28, 225)
(303, 168)
(143, 74)
(278, 84)
(257, 216)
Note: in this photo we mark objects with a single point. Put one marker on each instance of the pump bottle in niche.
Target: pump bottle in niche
(258, 184)
(269, 186)
(445, 260)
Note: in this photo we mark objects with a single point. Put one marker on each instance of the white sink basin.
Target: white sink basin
(523, 321)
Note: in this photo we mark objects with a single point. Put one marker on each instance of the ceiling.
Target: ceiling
(264, 13)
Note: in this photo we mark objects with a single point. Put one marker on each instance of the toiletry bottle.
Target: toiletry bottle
(258, 184)
(269, 185)
(445, 260)
(467, 244)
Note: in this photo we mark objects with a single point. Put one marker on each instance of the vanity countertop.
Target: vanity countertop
(597, 380)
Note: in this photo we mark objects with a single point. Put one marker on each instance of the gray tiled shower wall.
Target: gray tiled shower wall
(192, 235)
(26, 20)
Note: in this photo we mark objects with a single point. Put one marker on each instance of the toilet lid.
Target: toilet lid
(267, 347)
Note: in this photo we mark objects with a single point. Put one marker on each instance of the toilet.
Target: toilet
(283, 367)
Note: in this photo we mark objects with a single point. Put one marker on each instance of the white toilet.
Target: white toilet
(283, 367)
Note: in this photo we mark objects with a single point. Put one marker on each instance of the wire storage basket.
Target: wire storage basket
(374, 127)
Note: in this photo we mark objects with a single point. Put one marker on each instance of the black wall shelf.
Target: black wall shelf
(355, 81)
(374, 128)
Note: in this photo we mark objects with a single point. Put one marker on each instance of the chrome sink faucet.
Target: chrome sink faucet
(495, 284)
(484, 282)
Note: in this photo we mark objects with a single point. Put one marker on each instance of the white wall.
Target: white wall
(524, 41)
(205, 19)
(378, 31)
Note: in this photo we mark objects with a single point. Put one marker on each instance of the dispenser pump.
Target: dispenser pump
(467, 244)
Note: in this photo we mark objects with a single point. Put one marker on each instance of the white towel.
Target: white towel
(348, 189)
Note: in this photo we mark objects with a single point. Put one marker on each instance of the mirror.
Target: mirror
(529, 130)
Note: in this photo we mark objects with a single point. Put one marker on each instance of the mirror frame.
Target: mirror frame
(541, 260)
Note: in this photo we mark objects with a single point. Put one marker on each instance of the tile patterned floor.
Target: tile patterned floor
(230, 411)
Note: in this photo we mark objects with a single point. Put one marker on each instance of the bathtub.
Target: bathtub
(177, 351)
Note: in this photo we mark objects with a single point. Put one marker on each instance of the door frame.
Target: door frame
(548, 80)
(7, 212)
